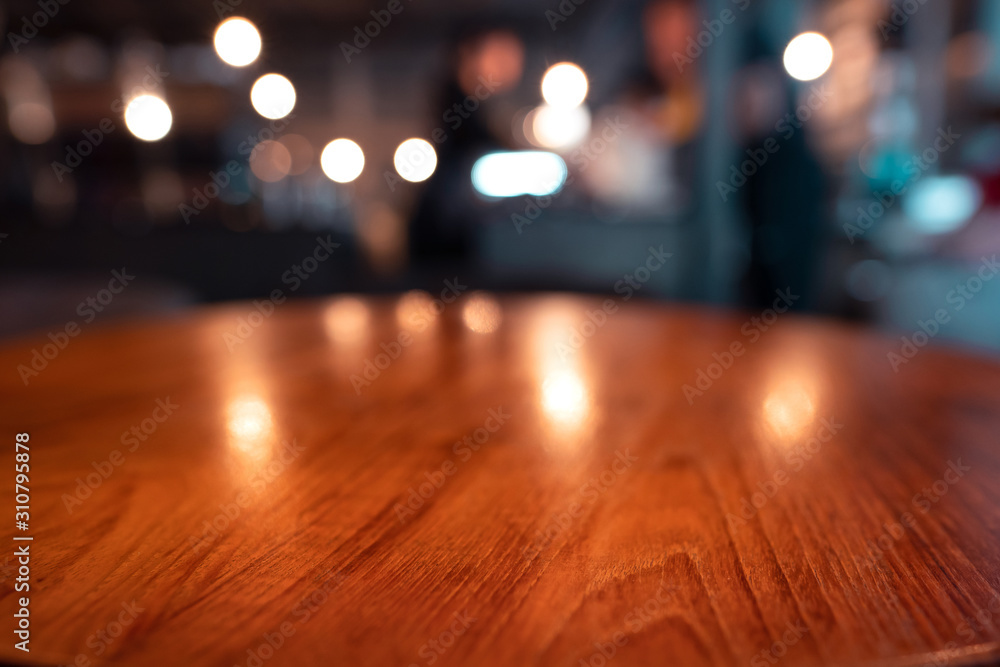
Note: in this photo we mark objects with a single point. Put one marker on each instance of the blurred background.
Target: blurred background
(847, 150)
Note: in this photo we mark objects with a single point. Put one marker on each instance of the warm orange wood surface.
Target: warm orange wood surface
(592, 517)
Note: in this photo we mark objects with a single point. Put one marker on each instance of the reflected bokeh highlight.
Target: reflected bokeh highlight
(789, 410)
(482, 313)
(250, 427)
(416, 310)
(347, 321)
(564, 397)
(563, 389)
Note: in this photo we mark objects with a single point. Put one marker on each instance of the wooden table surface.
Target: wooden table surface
(496, 482)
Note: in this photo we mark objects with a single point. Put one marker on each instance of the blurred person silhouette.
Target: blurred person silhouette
(649, 168)
(486, 61)
(783, 199)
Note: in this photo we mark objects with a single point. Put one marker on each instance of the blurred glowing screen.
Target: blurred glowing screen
(519, 173)
(148, 117)
(940, 204)
(564, 85)
(273, 96)
(808, 56)
(342, 160)
(237, 42)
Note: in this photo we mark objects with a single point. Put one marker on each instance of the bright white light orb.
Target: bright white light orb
(808, 56)
(273, 96)
(148, 117)
(342, 160)
(237, 42)
(559, 127)
(513, 174)
(415, 160)
(564, 85)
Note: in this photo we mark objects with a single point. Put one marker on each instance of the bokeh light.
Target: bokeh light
(32, 122)
(482, 313)
(808, 56)
(942, 204)
(415, 160)
(273, 96)
(301, 151)
(416, 306)
(342, 160)
(558, 127)
(564, 397)
(564, 85)
(270, 161)
(346, 320)
(250, 425)
(148, 117)
(497, 57)
(237, 42)
(789, 409)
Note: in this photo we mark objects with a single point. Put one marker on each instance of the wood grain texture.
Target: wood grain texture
(811, 507)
